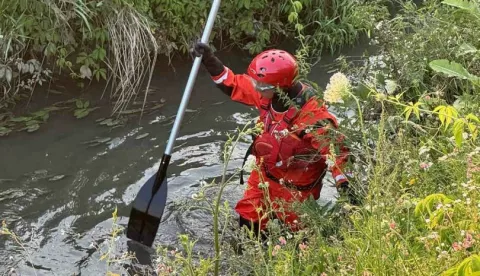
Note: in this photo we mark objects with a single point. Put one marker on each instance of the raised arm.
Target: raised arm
(238, 87)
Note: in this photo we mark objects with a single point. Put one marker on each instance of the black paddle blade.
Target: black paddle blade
(147, 211)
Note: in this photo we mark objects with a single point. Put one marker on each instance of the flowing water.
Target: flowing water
(57, 192)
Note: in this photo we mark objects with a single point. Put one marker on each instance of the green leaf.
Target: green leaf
(446, 114)
(103, 73)
(466, 48)
(408, 111)
(40, 113)
(8, 74)
(81, 57)
(462, 269)
(362, 91)
(292, 17)
(461, 4)
(298, 6)
(452, 114)
(475, 263)
(451, 69)
(32, 122)
(441, 113)
(80, 113)
(32, 128)
(21, 119)
(450, 272)
(106, 121)
(473, 117)
(416, 109)
(458, 128)
(4, 131)
(45, 116)
(86, 104)
(79, 104)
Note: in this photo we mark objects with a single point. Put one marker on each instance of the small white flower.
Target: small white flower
(250, 163)
(390, 86)
(443, 158)
(423, 150)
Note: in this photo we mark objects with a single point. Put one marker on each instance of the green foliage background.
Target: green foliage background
(76, 36)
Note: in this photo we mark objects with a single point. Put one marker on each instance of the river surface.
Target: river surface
(58, 192)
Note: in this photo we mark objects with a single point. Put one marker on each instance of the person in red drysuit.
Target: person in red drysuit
(291, 152)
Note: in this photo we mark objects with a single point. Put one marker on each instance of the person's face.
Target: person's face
(265, 89)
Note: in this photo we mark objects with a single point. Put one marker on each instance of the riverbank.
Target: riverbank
(118, 42)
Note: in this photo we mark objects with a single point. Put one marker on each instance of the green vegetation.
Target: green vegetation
(117, 41)
(417, 165)
(414, 135)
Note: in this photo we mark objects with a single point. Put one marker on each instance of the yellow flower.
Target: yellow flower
(338, 88)
(412, 181)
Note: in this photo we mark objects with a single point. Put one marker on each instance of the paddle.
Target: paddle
(148, 206)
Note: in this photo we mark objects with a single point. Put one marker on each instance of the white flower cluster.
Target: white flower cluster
(337, 88)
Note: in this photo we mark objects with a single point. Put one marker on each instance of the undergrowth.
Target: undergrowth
(417, 171)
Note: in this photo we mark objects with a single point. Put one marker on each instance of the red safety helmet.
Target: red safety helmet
(274, 67)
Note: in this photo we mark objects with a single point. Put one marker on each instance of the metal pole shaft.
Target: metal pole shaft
(191, 79)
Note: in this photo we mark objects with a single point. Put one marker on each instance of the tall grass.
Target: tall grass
(133, 53)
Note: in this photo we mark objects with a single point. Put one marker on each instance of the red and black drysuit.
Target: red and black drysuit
(290, 158)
